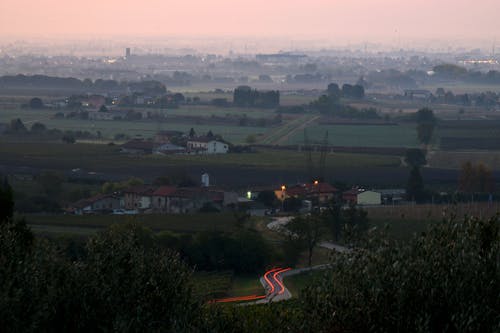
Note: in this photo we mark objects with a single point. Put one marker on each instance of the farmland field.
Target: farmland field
(107, 157)
(234, 134)
(224, 222)
(360, 135)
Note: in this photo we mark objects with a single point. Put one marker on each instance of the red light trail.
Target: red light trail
(271, 281)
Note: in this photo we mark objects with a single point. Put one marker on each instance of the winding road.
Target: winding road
(272, 280)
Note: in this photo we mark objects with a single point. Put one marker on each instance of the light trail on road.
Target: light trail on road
(272, 279)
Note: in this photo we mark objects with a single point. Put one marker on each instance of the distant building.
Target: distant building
(357, 196)
(319, 192)
(127, 53)
(97, 204)
(138, 198)
(418, 94)
(392, 196)
(168, 148)
(207, 145)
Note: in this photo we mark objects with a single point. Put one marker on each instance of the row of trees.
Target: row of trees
(244, 96)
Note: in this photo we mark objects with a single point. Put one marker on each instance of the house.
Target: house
(392, 196)
(207, 145)
(187, 200)
(358, 196)
(97, 204)
(94, 101)
(160, 200)
(168, 148)
(138, 146)
(138, 198)
(319, 192)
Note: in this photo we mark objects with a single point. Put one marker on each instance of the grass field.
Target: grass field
(177, 223)
(362, 135)
(108, 128)
(404, 221)
(108, 158)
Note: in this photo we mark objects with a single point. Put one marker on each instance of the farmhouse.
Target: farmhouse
(97, 204)
(168, 148)
(319, 192)
(138, 198)
(207, 145)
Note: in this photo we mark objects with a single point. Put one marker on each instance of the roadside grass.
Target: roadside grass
(211, 285)
(296, 283)
(244, 285)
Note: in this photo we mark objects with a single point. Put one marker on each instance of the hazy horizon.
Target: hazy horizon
(378, 21)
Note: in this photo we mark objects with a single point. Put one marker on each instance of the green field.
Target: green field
(109, 128)
(187, 223)
(108, 158)
(360, 135)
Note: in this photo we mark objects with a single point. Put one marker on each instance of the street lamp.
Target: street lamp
(283, 189)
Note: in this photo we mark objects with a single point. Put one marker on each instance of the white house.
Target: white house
(207, 145)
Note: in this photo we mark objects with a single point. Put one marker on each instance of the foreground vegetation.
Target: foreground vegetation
(125, 279)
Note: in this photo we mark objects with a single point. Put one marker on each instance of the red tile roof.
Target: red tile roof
(165, 191)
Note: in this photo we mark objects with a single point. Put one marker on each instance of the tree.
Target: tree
(192, 133)
(475, 178)
(103, 108)
(50, 182)
(36, 103)
(306, 232)
(38, 128)
(17, 126)
(6, 201)
(426, 122)
(415, 185)
(444, 280)
(251, 139)
(415, 157)
(68, 138)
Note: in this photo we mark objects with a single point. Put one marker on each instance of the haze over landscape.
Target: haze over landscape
(392, 22)
(332, 165)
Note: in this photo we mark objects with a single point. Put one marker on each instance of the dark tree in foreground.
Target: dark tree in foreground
(6, 201)
(445, 280)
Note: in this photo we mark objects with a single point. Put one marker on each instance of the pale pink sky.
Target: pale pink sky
(356, 19)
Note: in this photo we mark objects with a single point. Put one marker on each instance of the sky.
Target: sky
(346, 20)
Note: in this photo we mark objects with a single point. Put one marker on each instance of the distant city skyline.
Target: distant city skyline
(393, 22)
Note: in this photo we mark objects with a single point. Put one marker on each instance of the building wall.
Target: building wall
(106, 204)
(217, 147)
(369, 198)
